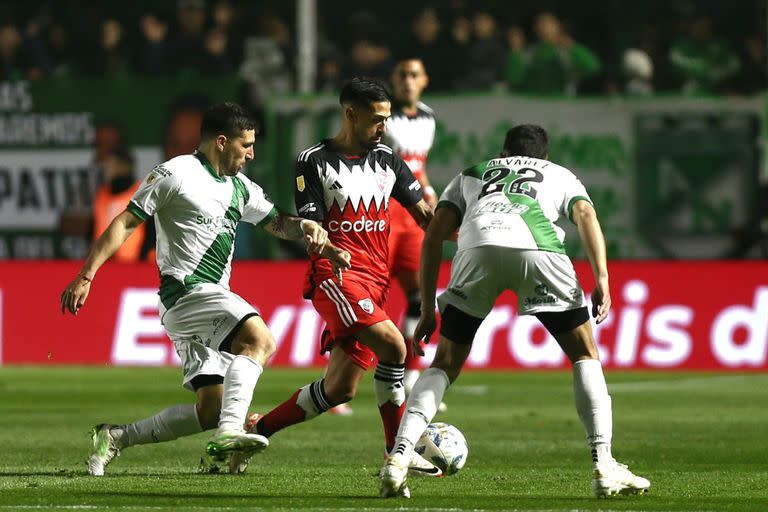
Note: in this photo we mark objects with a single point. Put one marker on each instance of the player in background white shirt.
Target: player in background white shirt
(197, 201)
(506, 209)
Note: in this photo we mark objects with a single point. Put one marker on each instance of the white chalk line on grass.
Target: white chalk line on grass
(678, 384)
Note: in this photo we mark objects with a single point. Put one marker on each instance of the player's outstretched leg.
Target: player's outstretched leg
(105, 448)
(167, 425)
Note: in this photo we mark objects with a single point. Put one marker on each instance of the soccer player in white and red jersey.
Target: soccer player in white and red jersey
(346, 183)
(411, 133)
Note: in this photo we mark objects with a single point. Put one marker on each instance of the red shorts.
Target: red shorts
(347, 308)
(405, 239)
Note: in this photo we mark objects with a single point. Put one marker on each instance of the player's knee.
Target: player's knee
(394, 349)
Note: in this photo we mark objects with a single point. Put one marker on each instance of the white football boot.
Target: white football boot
(104, 449)
(393, 480)
(612, 478)
(225, 443)
(238, 461)
(419, 466)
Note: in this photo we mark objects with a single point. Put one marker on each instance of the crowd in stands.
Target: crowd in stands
(546, 48)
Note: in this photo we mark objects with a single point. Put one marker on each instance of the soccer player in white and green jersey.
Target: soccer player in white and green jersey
(197, 201)
(506, 209)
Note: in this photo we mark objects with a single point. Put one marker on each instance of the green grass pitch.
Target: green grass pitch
(701, 438)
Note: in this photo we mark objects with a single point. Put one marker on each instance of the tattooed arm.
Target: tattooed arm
(289, 227)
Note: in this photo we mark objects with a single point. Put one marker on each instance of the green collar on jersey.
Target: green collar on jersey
(208, 166)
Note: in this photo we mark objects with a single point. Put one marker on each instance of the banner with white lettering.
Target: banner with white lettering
(670, 315)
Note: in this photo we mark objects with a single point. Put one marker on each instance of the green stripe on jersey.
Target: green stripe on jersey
(539, 225)
(572, 202)
(477, 170)
(212, 264)
(271, 215)
(137, 211)
(171, 290)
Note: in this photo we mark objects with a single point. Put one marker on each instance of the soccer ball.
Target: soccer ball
(444, 446)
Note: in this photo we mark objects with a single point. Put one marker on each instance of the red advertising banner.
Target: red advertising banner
(670, 315)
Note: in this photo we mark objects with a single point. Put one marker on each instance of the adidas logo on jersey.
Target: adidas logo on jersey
(335, 186)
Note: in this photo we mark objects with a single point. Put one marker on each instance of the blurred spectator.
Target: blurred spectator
(704, 61)
(223, 17)
(753, 78)
(427, 42)
(554, 65)
(460, 44)
(638, 71)
(328, 64)
(188, 43)
(217, 58)
(182, 129)
(367, 58)
(486, 54)
(107, 137)
(14, 62)
(112, 57)
(111, 199)
(156, 55)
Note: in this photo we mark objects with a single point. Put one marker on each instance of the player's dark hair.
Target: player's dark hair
(526, 140)
(225, 119)
(362, 91)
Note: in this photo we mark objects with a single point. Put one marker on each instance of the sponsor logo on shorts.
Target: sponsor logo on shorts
(543, 296)
(458, 293)
(218, 323)
(366, 305)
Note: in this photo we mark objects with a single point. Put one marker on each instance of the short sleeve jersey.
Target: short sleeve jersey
(196, 212)
(412, 136)
(513, 202)
(349, 196)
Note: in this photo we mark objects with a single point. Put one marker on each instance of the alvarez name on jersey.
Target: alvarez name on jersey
(350, 196)
(513, 202)
(196, 212)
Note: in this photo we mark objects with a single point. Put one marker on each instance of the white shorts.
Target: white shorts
(198, 323)
(543, 281)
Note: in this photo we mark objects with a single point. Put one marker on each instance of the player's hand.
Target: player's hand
(601, 301)
(340, 260)
(314, 236)
(74, 295)
(424, 330)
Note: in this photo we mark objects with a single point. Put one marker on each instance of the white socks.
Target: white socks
(420, 409)
(167, 425)
(313, 400)
(594, 407)
(388, 384)
(409, 380)
(239, 383)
